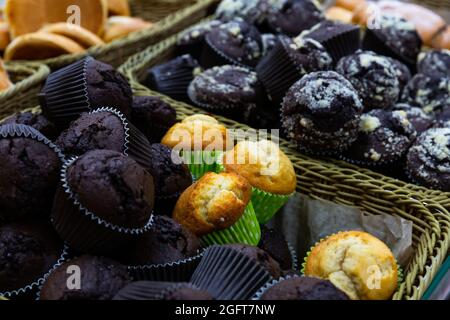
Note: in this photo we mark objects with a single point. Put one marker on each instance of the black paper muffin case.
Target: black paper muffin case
(211, 57)
(33, 289)
(65, 96)
(258, 295)
(229, 275)
(343, 44)
(82, 229)
(178, 271)
(136, 144)
(278, 72)
(164, 205)
(150, 290)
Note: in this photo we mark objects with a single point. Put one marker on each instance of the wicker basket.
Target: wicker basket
(344, 184)
(172, 16)
(28, 79)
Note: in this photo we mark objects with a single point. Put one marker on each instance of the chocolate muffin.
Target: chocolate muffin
(165, 242)
(171, 177)
(235, 42)
(428, 160)
(268, 41)
(230, 91)
(112, 186)
(27, 252)
(289, 61)
(339, 39)
(153, 117)
(82, 87)
(403, 73)
(434, 63)
(274, 243)
(172, 78)
(373, 76)
(253, 11)
(430, 93)
(29, 173)
(92, 131)
(420, 120)
(192, 40)
(101, 279)
(149, 290)
(34, 120)
(259, 256)
(393, 36)
(384, 137)
(321, 112)
(291, 17)
(304, 288)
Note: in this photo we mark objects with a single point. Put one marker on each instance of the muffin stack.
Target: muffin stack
(334, 90)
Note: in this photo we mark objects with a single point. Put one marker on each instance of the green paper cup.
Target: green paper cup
(201, 162)
(245, 231)
(267, 204)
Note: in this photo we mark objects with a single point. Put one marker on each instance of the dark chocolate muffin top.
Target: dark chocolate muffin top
(373, 76)
(403, 73)
(291, 17)
(420, 120)
(166, 242)
(34, 120)
(238, 41)
(113, 187)
(307, 54)
(384, 137)
(29, 175)
(170, 174)
(399, 35)
(27, 252)
(107, 87)
(196, 34)
(102, 130)
(428, 160)
(253, 11)
(259, 256)
(227, 87)
(321, 111)
(304, 288)
(435, 63)
(101, 279)
(430, 93)
(275, 245)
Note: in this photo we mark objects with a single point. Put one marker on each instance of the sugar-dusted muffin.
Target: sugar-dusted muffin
(303, 288)
(321, 112)
(215, 202)
(420, 120)
(434, 63)
(101, 279)
(253, 11)
(357, 263)
(181, 135)
(428, 160)
(403, 73)
(192, 40)
(373, 76)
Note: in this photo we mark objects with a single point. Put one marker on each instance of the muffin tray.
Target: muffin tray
(342, 183)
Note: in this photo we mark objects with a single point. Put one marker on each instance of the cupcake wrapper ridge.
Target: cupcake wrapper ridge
(202, 162)
(149, 290)
(267, 204)
(269, 285)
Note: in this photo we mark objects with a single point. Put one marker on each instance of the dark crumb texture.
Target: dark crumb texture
(253, 11)
(114, 187)
(420, 120)
(34, 120)
(27, 252)
(167, 241)
(259, 256)
(304, 288)
(153, 117)
(102, 130)
(275, 245)
(101, 279)
(29, 174)
(434, 63)
(108, 88)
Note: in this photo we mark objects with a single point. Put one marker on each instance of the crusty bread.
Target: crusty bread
(357, 263)
(40, 45)
(264, 165)
(80, 35)
(5, 39)
(210, 132)
(339, 14)
(215, 202)
(121, 26)
(118, 8)
(442, 39)
(5, 83)
(350, 4)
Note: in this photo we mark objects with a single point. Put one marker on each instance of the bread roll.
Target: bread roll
(339, 14)
(5, 83)
(5, 39)
(80, 35)
(118, 8)
(120, 26)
